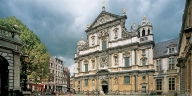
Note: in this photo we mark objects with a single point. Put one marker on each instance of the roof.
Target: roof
(160, 48)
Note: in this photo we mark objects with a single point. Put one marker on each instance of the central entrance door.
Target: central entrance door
(105, 87)
(3, 77)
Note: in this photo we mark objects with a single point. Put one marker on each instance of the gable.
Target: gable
(104, 17)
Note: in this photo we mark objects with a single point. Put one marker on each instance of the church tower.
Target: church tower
(145, 30)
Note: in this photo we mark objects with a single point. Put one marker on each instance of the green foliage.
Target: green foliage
(38, 66)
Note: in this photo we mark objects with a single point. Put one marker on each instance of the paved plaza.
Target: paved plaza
(105, 95)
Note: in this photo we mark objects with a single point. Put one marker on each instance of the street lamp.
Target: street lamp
(25, 59)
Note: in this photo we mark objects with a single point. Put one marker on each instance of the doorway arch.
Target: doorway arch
(4, 76)
(105, 87)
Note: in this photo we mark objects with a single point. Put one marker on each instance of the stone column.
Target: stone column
(97, 62)
(16, 72)
(109, 83)
(110, 63)
(136, 57)
(97, 82)
(136, 83)
(165, 84)
(133, 57)
(182, 76)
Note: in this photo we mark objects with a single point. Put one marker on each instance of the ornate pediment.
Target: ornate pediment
(104, 17)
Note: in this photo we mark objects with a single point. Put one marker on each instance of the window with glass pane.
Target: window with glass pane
(104, 45)
(126, 61)
(127, 80)
(143, 51)
(171, 63)
(158, 65)
(86, 82)
(159, 84)
(171, 83)
(144, 62)
(86, 67)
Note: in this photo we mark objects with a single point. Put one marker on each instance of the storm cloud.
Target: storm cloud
(60, 24)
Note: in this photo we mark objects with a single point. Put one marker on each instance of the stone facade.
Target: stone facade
(166, 76)
(185, 48)
(113, 59)
(10, 60)
(59, 80)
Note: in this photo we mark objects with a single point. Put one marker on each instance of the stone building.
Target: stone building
(66, 78)
(58, 79)
(10, 61)
(166, 76)
(114, 59)
(185, 48)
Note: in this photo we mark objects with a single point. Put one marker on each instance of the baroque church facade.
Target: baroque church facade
(118, 61)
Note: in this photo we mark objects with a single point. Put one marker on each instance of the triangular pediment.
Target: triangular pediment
(104, 17)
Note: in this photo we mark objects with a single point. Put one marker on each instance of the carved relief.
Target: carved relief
(103, 19)
(85, 61)
(103, 78)
(104, 59)
(126, 54)
(103, 33)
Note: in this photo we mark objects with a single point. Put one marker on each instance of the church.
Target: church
(118, 61)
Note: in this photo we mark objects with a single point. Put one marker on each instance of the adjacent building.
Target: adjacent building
(57, 79)
(10, 61)
(166, 76)
(185, 49)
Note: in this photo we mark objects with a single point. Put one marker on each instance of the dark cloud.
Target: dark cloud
(60, 24)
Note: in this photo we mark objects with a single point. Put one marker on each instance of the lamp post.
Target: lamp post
(25, 59)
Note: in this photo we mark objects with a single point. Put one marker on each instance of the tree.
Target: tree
(38, 66)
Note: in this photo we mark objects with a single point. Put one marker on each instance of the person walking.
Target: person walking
(70, 94)
(57, 93)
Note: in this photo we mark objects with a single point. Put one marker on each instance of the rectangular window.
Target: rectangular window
(86, 67)
(159, 65)
(171, 83)
(144, 62)
(169, 50)
(104, 45)
(86, 82)
(171, 63)
(143, 51)
(127, 61)
(127, 80)
(173, 49)
(159, 84)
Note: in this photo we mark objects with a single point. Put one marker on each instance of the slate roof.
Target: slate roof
(160, 48)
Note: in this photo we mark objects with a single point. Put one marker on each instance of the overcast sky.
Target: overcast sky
(60, 24)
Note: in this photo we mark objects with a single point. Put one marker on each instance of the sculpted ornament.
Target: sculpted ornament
(104, 59)
(103, 19)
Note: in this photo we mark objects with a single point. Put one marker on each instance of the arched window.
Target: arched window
(143, 32)
(148, 31)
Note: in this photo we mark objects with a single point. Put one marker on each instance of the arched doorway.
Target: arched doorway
(105, 87)
(3, 77)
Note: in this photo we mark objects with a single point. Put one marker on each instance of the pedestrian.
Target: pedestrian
(88, 93)
(70, 94)
(57, 93)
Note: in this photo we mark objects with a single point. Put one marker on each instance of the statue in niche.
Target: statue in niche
(116, 80)
(93, 40)
(116, 59)
(93, 82)
(93, 64)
